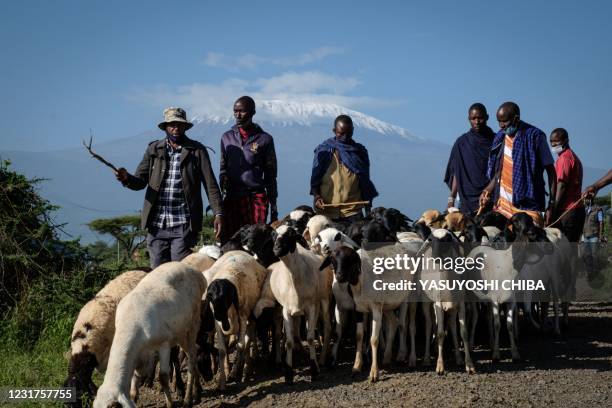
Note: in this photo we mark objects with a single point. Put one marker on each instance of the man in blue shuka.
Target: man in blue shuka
(466, 171)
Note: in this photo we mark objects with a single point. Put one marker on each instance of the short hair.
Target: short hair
(479, 107)
(511, 107)
(345, 119)
(247, 101)
(561, 132)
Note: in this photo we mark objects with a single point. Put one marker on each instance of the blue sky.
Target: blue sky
(69, 66)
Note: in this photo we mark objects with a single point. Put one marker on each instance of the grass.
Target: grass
(35, 336)
(41, 365)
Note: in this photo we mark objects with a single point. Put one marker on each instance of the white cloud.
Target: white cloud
(216, 100)
(309, 57)
(306, 82)
(250, 61)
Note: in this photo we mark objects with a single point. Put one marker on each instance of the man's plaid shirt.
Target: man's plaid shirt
(171, 209)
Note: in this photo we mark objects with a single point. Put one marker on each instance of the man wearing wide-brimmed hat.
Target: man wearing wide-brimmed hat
(172, 169)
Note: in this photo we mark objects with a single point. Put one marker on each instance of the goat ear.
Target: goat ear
(509, 235)
(306, 234)
(208, 322)
(440, 217)
(302, 241)
(326, 262)
(338, 237)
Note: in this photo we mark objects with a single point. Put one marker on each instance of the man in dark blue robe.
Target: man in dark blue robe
(466, 172)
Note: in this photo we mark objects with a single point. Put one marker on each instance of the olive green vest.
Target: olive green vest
(591, 225)
(339, 185)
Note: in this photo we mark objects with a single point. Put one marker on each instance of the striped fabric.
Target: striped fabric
(504, 203)
(245, 210)
(530, 157)
(171, 209)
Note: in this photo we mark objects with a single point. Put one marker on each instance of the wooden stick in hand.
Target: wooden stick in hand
(97, 156)
(346, 204)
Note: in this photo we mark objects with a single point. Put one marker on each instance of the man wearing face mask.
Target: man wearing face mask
(341, 175)
(172, 169)
(466, 171)
(519, 156)
(569, 185)
(248, 171)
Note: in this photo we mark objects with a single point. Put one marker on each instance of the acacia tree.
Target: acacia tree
(125, 229)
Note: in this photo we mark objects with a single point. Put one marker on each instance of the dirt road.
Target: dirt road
(571, 371)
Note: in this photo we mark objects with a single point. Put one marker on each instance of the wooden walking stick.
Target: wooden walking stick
(346, 204)
(97, 156)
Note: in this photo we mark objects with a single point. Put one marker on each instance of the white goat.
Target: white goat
(325, 243)
(356, 268)
(162, 311)
(315, 224)
(301, 289)
(498, 266)
(211, 250)
(552, 263)
(443, 244)
(93, 332)
(328, 239)
(232, 295)
(199, 260)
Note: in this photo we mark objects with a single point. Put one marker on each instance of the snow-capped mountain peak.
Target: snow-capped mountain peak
(283, 113)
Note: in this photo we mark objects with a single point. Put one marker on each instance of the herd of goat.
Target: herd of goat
(269, 284)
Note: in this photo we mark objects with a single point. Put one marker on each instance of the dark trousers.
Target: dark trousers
(572, 223)
(170, 244)
(571, 226)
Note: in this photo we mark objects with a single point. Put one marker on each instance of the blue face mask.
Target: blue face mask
(174, 139)
(511, 129)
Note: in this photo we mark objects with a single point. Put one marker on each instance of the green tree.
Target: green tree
(126, 231)
(29, 243)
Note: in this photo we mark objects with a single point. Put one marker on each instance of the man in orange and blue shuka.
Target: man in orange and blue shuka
(519, 156)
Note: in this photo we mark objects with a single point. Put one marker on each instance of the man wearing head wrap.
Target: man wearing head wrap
(341, 175)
